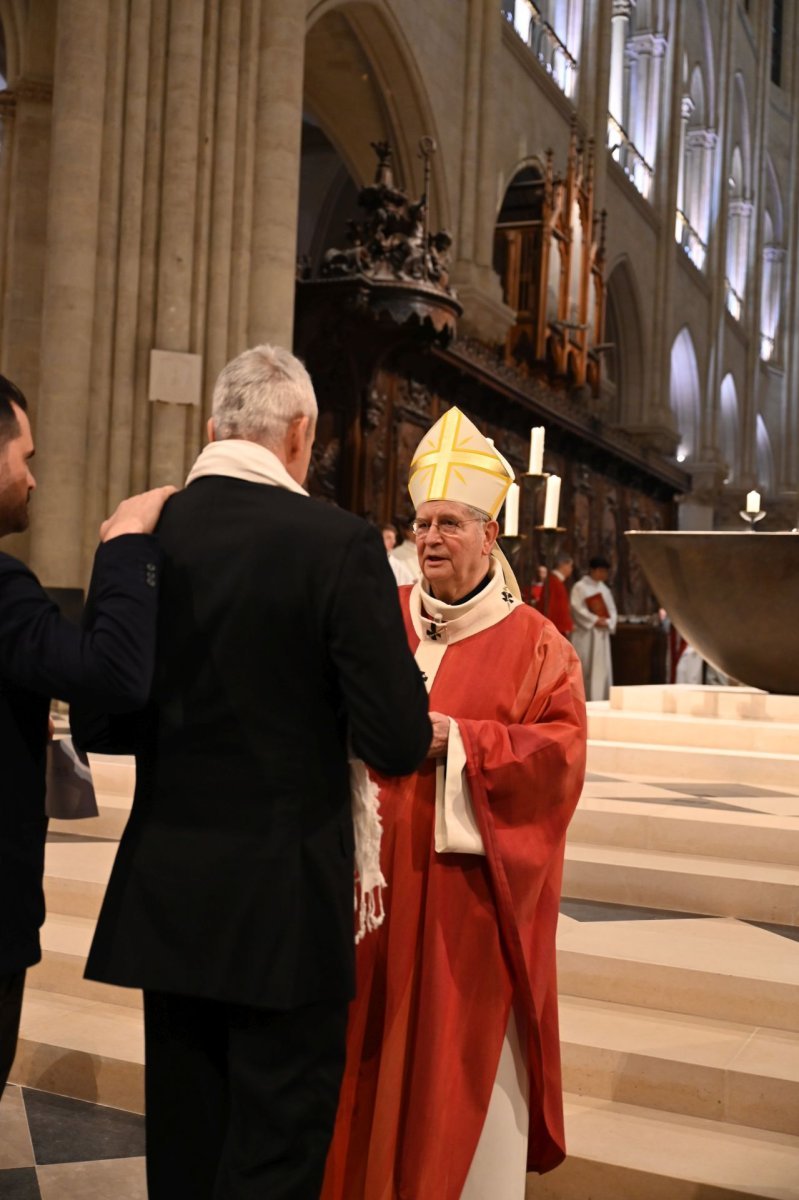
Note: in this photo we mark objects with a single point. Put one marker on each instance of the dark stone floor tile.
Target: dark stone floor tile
(66, 1130)
(684, 802)
(603, 910)
(19, 1184)
(717, 789)
(592, 778)
(75, 838)
(787, 931)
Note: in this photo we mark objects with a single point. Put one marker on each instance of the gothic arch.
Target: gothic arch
(10, 31)
(729, 426)
(698, 43)
(773, 266)
(765, 458)
(625, 362)
(371, 89)
(685, 392)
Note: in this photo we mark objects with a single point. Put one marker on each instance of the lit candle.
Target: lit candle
(753, 502)
(537, 450)
(512, 511)
(552, 502)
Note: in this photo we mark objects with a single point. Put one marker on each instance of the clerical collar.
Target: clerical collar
(444, 624)
(484, 582)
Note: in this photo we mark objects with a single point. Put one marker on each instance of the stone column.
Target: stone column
(73, 200)
(620, 23)
(717, 251)
(788, 454)
(177, 228)
(276, 173)
(659, 427)
(754, 250)
(224, 194)
(479, 290)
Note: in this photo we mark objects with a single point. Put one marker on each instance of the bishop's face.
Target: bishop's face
(16, 480)
(453, 561)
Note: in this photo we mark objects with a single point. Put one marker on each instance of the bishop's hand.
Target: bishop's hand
(438, 746)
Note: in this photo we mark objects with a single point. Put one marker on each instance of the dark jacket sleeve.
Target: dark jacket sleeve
(383, 690)
(110, 660)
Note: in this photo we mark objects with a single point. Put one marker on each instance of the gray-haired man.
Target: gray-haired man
(231, 902)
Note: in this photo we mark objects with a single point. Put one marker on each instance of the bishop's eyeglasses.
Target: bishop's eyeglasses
(446, 526)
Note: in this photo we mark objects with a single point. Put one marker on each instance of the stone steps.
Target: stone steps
(706, 733)
(79, 1047)
(724, 703)
(114, 810)
(683, 882)
(723, 969)
(65, 946)
(626, 1152)
(687, 829)
(697, 1066)
(676, 761)
(75, 876)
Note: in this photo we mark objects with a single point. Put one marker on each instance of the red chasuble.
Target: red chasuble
(465, 935)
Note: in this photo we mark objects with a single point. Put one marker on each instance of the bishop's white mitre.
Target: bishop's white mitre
(454, 461)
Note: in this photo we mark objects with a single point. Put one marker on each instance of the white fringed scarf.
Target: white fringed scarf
(245, 460)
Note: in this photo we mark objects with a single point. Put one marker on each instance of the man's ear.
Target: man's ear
(490, 536)
(297, 438)
(210, 430)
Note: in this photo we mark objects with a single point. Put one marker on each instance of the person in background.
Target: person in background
(43, 656)
(595, 617)
(400, 571)
(552, 596)
(405, 551)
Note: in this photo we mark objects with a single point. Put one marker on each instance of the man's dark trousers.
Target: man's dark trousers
(11, 988)
(276, 1074)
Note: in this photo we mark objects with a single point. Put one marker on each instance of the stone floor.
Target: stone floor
(678, 964)
(56, 1148)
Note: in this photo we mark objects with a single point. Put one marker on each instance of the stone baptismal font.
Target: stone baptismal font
(734, 596)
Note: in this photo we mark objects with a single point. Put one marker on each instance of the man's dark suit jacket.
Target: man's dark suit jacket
(280, 638)
(44, 656)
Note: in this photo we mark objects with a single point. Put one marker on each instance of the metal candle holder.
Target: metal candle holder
(752, 518)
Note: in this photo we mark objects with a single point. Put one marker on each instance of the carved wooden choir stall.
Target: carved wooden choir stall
(377, 329)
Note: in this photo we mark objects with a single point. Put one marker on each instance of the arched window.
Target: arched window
(773, 267)
(739, 204)
(698, 137)
(517, 257)
(553, 31)
(695, 187)
(765, 459)
(624, 355)
(728, 427)
(685, 394)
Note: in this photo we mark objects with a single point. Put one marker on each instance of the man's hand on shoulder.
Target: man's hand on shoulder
(138, 514)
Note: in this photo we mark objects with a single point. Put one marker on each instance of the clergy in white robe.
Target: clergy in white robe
(595, 617)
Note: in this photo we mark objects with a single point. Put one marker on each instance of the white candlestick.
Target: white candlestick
(552, 502)
(753, 502)
(512, 511)
(537, 450)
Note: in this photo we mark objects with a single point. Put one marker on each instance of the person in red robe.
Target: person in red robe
(452, 1086)
(552, 597)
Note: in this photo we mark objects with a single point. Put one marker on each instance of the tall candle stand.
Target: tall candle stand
(531, 485)
(511, 545)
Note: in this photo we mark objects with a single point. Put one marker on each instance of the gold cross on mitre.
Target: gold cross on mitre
(454, 461)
